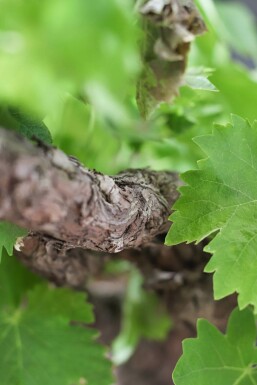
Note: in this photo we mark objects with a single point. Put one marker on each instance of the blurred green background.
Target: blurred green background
(75, 68)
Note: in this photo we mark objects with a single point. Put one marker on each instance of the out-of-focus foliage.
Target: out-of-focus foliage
(64, 72)
(55, 58)
(51, 47)
(233, 23)
(39, 328)
(235, 82)
(75, 124)
(144, 317)
(164, 141)
(74, 66)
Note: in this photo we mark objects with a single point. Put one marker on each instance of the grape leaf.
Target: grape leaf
(221, 196)
(15, 279)
(8, 235)
(213, 358)
(40, 345)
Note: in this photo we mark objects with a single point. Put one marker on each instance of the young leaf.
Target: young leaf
(197, 78)
(40, 345)
(213, 358)
(221, 196)
(8, 235)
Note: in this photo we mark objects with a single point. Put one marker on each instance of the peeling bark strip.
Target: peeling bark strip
(170, 26)
(45, 191)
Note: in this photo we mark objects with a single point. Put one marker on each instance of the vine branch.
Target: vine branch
(46, 191)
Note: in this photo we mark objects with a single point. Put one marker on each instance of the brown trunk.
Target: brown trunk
(50, 193)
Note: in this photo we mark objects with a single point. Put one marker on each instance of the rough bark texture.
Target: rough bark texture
(48, 192)
(162, 267)
(170, 26)
(48, 257)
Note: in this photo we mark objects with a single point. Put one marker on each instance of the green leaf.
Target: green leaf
(221, 197)
(40, 345)
(197, 78)
(144, 317)
(43, 336)
(8, 235)
(15, 280)
(213, 358)
(31, 127)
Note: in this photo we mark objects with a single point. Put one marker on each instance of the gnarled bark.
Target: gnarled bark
(48, 192)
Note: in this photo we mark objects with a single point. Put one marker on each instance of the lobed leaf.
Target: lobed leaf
(40, 345)
(44, 337)
(213, 358)
(221, 199)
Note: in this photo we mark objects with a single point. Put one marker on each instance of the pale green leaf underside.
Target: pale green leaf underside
(199, 83)
(39, 345)
(216, 359)
(222, 196)
(197, 78)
